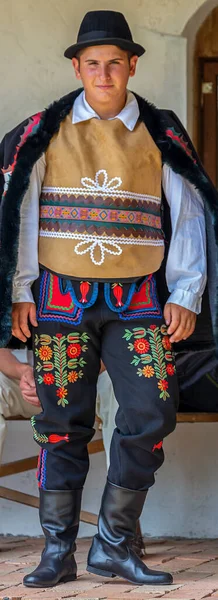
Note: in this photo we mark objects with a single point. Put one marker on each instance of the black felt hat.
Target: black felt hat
(103, 27)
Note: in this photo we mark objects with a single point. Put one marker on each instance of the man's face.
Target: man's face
(104, 71)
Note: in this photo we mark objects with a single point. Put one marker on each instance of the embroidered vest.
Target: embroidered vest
(100, 202)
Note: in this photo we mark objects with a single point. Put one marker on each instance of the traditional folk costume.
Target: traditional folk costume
(89, 249)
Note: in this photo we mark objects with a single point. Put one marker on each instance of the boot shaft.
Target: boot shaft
(119, 513)
(59, 515)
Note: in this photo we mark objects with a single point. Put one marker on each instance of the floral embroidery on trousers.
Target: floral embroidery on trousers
(152, 351)
(60, 361)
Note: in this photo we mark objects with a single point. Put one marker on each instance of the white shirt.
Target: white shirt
(186, 264)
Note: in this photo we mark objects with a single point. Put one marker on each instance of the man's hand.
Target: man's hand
(181, 321)
(22, 312)
(28, 386)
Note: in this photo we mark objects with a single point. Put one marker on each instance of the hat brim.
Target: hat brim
(124, 44)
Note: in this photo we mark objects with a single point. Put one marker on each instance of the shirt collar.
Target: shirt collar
(129, 115)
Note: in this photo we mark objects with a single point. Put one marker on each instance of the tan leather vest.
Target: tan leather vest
(100, 201)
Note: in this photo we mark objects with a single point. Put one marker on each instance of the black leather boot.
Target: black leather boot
(111, 553)
(137, 543)
(59, 516)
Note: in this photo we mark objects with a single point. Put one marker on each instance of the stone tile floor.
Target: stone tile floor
(194, 564)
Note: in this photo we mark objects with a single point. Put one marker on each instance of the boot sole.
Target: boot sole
(100, 572)
(109, 574)
(63, 580)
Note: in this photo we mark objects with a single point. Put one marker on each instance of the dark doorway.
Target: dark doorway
(209, 117)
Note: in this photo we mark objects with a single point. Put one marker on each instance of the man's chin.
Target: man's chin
(105, 90)
(104, 95)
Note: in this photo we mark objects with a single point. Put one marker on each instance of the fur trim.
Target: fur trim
(176, 158)
(28, 154)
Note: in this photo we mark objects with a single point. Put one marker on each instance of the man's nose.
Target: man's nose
(104, 73)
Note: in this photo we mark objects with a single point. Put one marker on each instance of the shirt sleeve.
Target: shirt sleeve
(28, 266)
(186, 269)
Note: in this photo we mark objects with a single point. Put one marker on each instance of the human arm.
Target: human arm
(23, 372)
(186, 271)
(27, 267)
(10, 365)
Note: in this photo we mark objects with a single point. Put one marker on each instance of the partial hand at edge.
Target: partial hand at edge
(22, 314)
(181, 321)
(28, 386)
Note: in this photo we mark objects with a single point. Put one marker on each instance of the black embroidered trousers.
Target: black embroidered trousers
(133, 343)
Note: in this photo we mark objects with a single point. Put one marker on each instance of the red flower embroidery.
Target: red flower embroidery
(152, 327)
(170, 369)
(59, 335)
(61, 392)
(163, 385)
(141, 346)
(48, 378)
(74, 350)
(166, 343)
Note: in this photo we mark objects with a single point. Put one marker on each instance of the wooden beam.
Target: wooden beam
(26, 464)
(197, 417)
(28, 500)
(20, 497)
(18, 466)
(88, 517)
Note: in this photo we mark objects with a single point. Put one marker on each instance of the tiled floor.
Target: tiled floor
(194, 564)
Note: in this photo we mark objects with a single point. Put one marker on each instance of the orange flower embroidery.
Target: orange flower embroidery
(72, 377)
(61, 392)
(148, 371)
(45, 353)
(141, 346)
(166, 343)
(163, 385)
(48, 378)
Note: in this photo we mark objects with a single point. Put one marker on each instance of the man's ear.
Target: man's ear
(75, 63)
(132, 64)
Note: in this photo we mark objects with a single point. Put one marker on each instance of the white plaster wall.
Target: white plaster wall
(182, 503)
(33, 37)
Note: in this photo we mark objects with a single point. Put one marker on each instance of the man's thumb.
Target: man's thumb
(167, 313)
(32, 315)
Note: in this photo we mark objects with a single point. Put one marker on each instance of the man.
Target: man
(89, 170)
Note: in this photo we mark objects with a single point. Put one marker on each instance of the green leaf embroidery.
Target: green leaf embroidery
(136, 360)
(127, 335)
(130, 346)
(158, 355)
